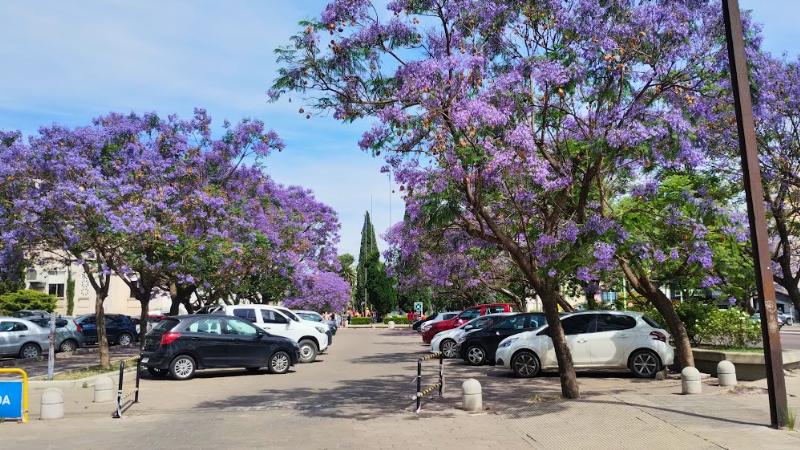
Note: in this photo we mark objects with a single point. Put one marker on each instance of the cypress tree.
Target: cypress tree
(368, 247)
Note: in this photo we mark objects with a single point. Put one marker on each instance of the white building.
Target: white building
(52, 278)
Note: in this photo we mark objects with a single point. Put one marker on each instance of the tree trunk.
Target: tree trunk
(566, 369)
(642, 284)
(102, 338)
(145, 303)
(180, 295)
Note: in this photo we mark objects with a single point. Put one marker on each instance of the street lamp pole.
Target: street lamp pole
(755, 209)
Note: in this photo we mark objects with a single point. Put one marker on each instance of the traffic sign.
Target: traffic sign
(14, 396)
(418, 307)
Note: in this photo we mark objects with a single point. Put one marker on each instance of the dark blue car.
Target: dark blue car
(120, 329)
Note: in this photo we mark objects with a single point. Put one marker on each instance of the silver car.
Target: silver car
(68, 334)
(22, 338)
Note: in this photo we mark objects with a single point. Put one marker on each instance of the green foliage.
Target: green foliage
(400, 320)
(361, 321)
(692, 313)
(729, 327)
(27, 299)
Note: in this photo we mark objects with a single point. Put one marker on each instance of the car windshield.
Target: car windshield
(291, 315)
(310, 316)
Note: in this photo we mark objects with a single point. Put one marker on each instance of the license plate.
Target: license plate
(145, 359)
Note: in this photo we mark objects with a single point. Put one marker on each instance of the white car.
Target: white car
(312, 337)
(597, 340)
(21, 338)
(447, 341)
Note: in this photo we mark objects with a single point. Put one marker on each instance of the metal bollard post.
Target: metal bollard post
(419, 384)
(138, 376)
(118, 414)
(441, 374)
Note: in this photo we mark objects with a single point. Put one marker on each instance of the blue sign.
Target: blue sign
(11, 400)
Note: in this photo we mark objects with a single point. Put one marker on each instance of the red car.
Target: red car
(464, 317)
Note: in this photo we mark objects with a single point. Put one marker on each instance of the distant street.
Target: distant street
(790, 338)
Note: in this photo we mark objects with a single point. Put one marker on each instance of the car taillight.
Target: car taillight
(78, 327)
(168, 338)
(658, 336)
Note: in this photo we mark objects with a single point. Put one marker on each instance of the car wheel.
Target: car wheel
(308, 351)
(279, 362)
(68, 346)
(30, 351)
(125, 339)
(476, 356)
(182, 367)
(157, 372)
(449, 348)
(645, 363)
(525, 364)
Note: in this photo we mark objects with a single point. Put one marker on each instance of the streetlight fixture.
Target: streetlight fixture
(755, 210)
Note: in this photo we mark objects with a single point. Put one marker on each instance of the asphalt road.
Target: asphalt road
(790, 338)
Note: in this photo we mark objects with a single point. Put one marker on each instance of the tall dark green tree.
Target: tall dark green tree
(373, 287)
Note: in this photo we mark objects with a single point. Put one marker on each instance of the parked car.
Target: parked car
(757, 318)
(597, 340)
(120, 329)
(479, 347)
(447, 341)
(21, 338)
(28, 313)
(464, 317)
(181, 345)
(69, 335)
(786, 318)
(317, 317)
(310, 336)
(424, 325)
(151, 321)
(297, 318)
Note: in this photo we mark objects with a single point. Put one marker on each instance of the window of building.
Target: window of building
(56, 289)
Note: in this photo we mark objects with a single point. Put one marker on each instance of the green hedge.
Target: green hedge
(361, 321)
(397, 320)
(26, 299)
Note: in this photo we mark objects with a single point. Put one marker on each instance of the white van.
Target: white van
(311, 337)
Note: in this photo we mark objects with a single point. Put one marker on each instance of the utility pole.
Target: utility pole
(759, 238)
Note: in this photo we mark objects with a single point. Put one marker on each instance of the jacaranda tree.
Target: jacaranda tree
(501, 117)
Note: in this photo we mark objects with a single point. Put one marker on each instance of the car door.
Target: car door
(206, 340)
(277, 324)
(112, 328)
(613, 335)
(6, 331)
(15, 334)
(577, 330)
(89, 326)
(248, 348)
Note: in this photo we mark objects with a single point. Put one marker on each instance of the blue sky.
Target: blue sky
(67, 62)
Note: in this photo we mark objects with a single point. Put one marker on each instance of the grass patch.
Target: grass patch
(731, 348)
(90, 371)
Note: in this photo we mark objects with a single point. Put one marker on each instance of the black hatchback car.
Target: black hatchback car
(181, 345)
(481, 345)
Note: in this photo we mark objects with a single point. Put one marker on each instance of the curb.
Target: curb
(79, 383)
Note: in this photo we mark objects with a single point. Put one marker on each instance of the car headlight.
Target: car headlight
(321, 329)
(426, 327)
(507, 342)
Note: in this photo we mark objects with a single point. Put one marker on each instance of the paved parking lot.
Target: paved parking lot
(66, 362)
(358, 395)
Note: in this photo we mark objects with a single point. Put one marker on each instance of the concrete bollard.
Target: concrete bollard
(52, 404)
(391, 324)
(104, 390)
(726, 373)
(471, 397)
(690, 381)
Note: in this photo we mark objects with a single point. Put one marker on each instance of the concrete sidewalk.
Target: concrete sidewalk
(358, 395)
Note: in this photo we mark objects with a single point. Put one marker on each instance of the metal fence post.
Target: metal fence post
(419, 384)
(441, 374)
(118, 414)
(138, 376)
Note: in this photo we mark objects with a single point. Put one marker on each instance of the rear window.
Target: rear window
(651, 322)
(166, 325)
